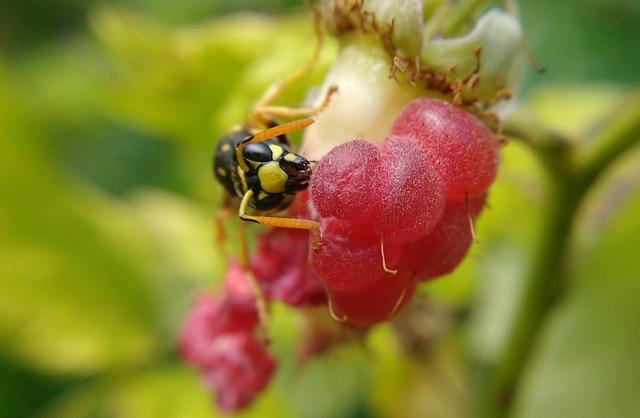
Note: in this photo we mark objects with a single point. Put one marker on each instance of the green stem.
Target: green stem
(571, 173)
(618, 136)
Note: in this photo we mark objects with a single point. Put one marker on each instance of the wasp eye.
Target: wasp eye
(259, 151)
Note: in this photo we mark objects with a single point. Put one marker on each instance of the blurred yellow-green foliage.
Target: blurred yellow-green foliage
(108, 118)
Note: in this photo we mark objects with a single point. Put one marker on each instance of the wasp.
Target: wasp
(254, 163)
(259, 168)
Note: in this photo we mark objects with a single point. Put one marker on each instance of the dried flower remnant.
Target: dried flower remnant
(392, 53)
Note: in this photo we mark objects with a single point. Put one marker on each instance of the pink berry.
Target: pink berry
(233, 310)
(441, 251)
(343, 183)
(405, 205)
(239, 368)
(198, 330)
(409, 195)
(375, 303)
(349, 256)
(280, 264)
(461, 148)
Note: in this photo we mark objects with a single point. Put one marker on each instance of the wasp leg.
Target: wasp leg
(293, 223)
(262, 106)
(219, 219)
(283, 112)
(243, 259)
(261, 300)
(262, 306)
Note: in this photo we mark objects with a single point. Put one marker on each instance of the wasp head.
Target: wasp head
(298, 170)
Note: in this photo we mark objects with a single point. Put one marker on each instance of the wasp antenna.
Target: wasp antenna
(285, 128)
(277, 130)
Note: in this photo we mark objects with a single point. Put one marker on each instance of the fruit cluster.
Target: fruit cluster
(218, 338)
(391, 215)
(399, 212)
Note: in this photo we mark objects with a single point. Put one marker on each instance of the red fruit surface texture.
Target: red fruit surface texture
(343, 184)
(233, 310)
(375, 303)
(441, 251)
(461, 148)
(239, 369)
(409, 195)
(349, 256)
(218, 338)
(281, 266)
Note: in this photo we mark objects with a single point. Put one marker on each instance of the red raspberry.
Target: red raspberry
(344, 182)
(218, 338)
(409, 198)
(238, 369)
(349, 256)
(394, 186)
(462, 149)
(198, 330)
(441, 251)
(401, 205)
(281, 265)
(233, 310)
(375, 303)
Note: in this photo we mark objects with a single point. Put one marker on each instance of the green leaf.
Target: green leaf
(74, 264)
(186, 256)
(163, 392)
(189, 82)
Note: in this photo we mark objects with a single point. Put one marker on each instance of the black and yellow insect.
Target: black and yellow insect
(259, 168)
(255, 164)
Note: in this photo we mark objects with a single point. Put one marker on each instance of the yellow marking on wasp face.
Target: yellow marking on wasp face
(276, 151)
(243, 180)
(289, 157)
(225, 148)
(254, 164)
(222, 172)
(272, 178)
(262, 195)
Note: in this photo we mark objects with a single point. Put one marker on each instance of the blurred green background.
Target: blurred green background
(108, 118)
